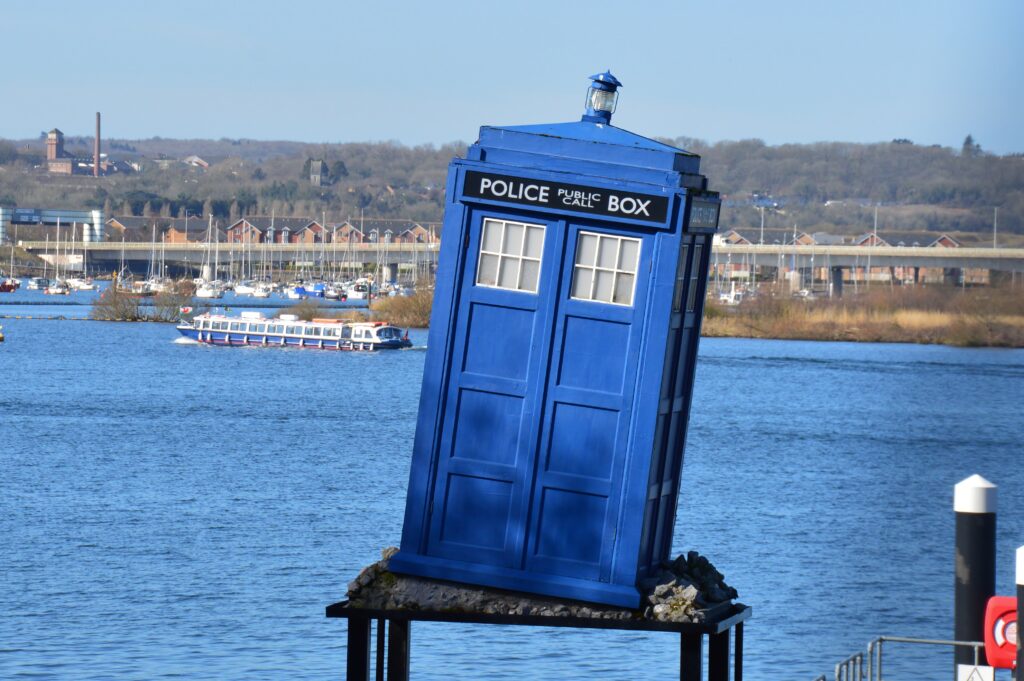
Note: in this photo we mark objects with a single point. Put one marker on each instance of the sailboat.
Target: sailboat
(11, 283)
(213, 288)
(57, 287)
(84, 282)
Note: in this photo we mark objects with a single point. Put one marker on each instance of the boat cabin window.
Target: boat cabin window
(260, 328)
(293, 330)
(234, 326)
(316, 331)
(388, 332)
(346, 332)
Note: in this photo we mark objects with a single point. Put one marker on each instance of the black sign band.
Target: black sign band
(573, 197)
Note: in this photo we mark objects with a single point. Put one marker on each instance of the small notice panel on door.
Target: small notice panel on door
(575, 197)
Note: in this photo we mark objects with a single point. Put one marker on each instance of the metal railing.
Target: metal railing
(853, 668)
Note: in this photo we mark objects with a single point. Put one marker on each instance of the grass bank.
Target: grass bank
(406, 311)
(989, 317)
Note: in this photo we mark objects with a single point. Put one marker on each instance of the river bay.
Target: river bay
(170, 510)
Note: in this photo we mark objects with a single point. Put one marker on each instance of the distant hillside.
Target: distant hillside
(818, 187)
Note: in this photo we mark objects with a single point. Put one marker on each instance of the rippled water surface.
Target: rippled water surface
(173, 510)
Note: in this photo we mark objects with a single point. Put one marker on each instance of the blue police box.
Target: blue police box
(560, 360)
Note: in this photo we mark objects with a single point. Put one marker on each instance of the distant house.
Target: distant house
(311, 233)
(265, 229)
(907, 239)
(346, 232)
(417, 234)
(776, 237)
(173, 236)
(195, 162)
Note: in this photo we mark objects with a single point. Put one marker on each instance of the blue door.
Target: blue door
(486, 443)
(588, 402)
(539, 398)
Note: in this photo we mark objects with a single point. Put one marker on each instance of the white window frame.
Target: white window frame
(594, 268)
(518, 258)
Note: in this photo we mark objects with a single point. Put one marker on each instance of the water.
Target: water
(175, 510)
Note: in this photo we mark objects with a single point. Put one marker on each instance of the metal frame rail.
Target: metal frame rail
(394, 628)
(852, 668)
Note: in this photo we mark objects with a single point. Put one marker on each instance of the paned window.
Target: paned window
(605, 268)
(510, 255)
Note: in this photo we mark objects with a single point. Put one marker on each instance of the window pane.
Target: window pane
(606, 252)
(488, 273)
(508, 274)
(581, 280)
(586, 250)
(513, 239)
(534, 242)
(529, 271)
(629, 251)
(623, 289)
(603, 286)
(491, 240)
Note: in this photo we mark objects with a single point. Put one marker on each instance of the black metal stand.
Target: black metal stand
(691, 659)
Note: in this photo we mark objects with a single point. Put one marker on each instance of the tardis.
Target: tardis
(560, 361)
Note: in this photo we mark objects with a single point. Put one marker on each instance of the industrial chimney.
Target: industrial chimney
(96, 149)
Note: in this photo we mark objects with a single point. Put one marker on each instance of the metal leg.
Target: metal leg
(737, 669)
(379, 676)
(358, 665)
(718, 657)
(398, 650)
(690, 653)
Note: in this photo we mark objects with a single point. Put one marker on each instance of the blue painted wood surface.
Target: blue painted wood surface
(550, 436)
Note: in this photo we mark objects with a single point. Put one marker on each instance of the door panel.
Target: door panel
(482, 478)
(588, 403)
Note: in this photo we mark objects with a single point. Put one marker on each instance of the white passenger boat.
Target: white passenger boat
(252, 328)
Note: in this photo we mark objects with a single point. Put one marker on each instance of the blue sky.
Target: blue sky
(433, 72)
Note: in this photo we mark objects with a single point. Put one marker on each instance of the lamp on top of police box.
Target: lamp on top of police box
(602, 96)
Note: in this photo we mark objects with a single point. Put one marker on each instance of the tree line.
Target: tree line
(828, 186)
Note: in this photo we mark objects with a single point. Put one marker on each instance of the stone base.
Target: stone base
(687, 589)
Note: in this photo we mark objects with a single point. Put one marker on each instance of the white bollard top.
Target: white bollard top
(1020, 567)
(974, 495)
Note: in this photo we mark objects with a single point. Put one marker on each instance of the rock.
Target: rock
(664, 590)
(677, 593)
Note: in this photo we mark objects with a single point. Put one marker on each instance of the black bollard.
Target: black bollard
(974, 503)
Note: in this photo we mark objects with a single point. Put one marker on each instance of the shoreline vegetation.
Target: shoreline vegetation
(980, 317)
(115, 305)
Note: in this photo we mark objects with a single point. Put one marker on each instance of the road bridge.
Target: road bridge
(106, 255)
